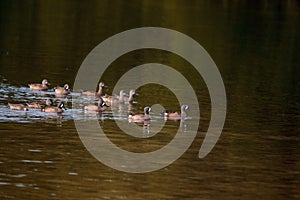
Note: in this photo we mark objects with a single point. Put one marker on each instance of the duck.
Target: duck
(17, 106)
(39, 87)
(115, 99)
(99, 93)
(176, 115)
(54, 109)
(129, 99)
(102, 106)
(141, 117)
(39, 105)
(62, 90)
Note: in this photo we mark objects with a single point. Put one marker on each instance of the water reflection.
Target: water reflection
(148, 131)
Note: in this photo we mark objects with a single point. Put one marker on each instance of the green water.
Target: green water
(255, 45)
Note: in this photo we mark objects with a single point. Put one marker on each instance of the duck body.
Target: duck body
(172, 114)
(17, 106)
(39, 105)
(141, 117)
(54, 109)
(39, 87)
(62, 90)
(102, 106)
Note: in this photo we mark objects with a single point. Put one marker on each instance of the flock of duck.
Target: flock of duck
(104, 101)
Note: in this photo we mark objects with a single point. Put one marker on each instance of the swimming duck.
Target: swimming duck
(58, 109)
(141, 117)
(99, 93)
(17, 106)
(116, 98)
(129, 99)
(39, 105)
(38, 86)
(176, 115)
(102, 106)
(62, 90)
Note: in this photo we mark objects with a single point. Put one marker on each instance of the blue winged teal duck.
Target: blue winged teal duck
(99, 93)
(17, 106)
(115, 99)
(176, 115)
(141, 117)
(62, 90)
(54, 109)
(129, 99)
(101, 106)
(40, 87)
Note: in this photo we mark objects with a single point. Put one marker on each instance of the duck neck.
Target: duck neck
(147, 116)
(99, 93)
(121, 98)
(130, 99)
(183, 113)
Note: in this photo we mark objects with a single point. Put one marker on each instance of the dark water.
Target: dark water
(255, 45)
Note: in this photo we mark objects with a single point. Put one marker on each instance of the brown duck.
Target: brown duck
(58, 109)
(99, 93)
(38, 86)
(101, 106)
(18, 106)
(62, 90)
(176, 115)
(141, 117)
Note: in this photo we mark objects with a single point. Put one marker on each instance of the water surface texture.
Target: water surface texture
(255, 45)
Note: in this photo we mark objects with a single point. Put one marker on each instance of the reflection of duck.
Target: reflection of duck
(62, 90)
(58, 109)
(141, 117)
(102, 106)
(99, 93)
(39, 105)
(38, 86)
(17, 106)
(176, 115)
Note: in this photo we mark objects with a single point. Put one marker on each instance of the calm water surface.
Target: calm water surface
(255, 45)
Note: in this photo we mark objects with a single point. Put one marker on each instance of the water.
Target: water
(255, 46)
